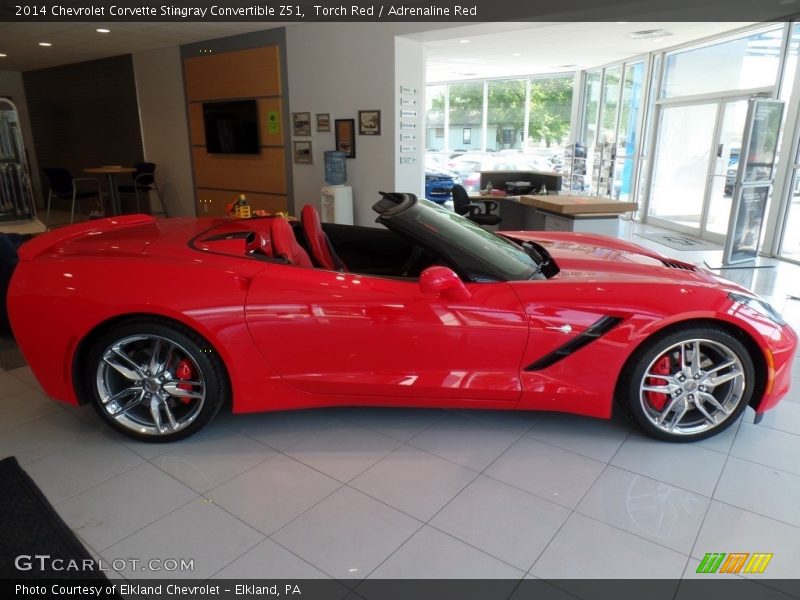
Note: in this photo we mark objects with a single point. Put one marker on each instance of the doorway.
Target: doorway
(696, 157)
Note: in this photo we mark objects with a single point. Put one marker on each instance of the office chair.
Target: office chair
(144, 181)
(62, 185)
(472, 210)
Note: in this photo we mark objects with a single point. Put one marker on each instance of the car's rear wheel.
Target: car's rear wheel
(690, 384)
(153, 381)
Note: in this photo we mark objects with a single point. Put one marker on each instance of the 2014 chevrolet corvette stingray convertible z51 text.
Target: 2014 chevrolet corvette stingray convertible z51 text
(158, 323)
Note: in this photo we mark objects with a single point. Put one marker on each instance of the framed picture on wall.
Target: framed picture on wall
(302, 153)
(301, 123)
(369, 122)
(346, 136)
(323, 122)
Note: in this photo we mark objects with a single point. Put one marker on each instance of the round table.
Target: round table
(111, 171)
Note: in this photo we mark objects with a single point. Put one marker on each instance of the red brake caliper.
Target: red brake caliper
(184, 372)
(658, 400)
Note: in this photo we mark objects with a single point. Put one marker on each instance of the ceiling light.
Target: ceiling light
(45, 44)
(649, 33)
(517, 54)
(103, 30)
(621, 22)
(2, 55)
(570, 66)
(463, 41)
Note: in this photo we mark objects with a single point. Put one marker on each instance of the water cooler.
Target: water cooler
(337, 204)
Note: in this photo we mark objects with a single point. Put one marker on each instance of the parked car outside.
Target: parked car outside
(439, 184)
(469, 166)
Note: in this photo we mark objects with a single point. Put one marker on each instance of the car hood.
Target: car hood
(431, 173)
(590, 256)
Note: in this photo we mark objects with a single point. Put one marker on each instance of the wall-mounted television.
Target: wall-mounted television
(231, 127)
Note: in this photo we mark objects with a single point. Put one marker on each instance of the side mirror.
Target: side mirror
(441, 281)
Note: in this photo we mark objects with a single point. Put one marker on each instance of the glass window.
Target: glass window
(628, 132)
(550, 114)
(608, 119)
(590, 108)
(434, 117)
(506, 115)
(741, 63)
(790, 245)
(466, 110)
(791, 63)
(649, 128)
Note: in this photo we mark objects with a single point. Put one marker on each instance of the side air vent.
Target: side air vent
(597, 329)
(678, 265)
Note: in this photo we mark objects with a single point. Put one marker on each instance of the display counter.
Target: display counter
(560, 213)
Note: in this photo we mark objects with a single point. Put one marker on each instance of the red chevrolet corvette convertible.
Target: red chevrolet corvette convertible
(159, 323)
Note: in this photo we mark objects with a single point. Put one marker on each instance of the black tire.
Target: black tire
(657, 364)
(162, 406)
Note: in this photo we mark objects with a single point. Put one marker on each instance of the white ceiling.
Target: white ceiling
(532, 48)
(494, 49)
(77, 42)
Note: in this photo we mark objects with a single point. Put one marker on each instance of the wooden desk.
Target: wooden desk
(560, 213)
(111, 171)
(578, 205)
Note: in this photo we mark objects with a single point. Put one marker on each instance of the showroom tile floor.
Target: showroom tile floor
(385, 493)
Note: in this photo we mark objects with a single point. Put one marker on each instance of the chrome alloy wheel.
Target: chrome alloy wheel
(692, 387)
(150, 385)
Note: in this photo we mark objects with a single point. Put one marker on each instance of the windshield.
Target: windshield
(496, 253)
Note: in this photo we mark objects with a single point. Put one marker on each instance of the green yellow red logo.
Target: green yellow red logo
(734, 562)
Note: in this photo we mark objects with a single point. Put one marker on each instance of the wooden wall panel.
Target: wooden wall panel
(197, 131)
(265, 172)
(242, 74)
(212, 203)
(265, 106)
(219, 178)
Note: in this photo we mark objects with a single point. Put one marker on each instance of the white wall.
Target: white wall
(165, 129)
(341, 68)
(409, 71)
(12, 87)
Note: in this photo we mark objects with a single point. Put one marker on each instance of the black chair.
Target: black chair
(144, 181)
(62, 185)
(477, 213)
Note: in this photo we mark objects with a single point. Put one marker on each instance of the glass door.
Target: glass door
(724, 167)
(696, 159)
(681, 166)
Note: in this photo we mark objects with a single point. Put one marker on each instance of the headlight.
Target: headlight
(758, 305)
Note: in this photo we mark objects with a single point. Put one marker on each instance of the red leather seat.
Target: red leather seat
(321, 248)
(284, 244)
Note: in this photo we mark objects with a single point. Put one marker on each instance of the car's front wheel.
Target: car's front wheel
(689, 384)
(154, 381)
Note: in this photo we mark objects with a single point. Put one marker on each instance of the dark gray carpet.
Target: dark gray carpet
(678, 241)
(30, 526)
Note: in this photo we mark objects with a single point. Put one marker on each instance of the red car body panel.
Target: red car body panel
(293, 337)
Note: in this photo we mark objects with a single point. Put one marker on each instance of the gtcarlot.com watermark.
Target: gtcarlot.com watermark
(45, 562)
